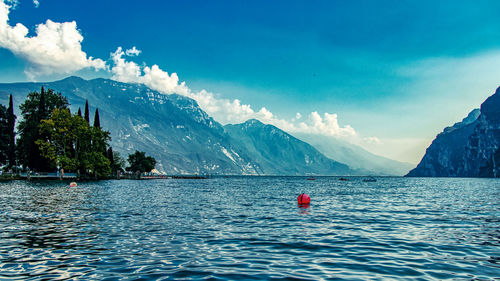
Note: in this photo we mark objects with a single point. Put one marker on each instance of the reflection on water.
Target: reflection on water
(304, 208)
(251, 228)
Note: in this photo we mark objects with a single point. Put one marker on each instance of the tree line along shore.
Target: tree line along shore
(50, 141)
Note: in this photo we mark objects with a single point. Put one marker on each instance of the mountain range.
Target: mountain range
(273, 150)
(185, 140)
(356, 157)
(469, 148)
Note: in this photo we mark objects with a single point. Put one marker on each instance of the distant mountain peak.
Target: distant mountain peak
(276, 152)
(73, 78)
(251, 124)
(253, 121)
(471, 117)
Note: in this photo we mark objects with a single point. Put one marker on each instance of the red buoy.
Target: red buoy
(303, 199)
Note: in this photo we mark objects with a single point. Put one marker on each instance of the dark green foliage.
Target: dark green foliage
(51, 137)
(79, 112)
(36, 107)
(87, 114)
(11, 123)
(110, 156)
(117, 163)
(4, 135)
(97, 122)
(139, 162)
(99, 140)
(62, 147)
(61, 131)
(42, 110)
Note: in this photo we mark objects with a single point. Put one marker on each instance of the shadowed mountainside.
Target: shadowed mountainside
(467, 149)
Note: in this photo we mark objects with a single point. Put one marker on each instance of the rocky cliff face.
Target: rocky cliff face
(467, 149)
(482, 149)
(276, 152)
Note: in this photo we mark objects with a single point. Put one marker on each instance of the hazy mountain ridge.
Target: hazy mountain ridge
(279, 153)
(356, 157)
(467, 149)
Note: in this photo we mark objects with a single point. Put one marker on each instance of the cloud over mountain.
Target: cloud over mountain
(56, 47)
(223, 110)
(153, 77)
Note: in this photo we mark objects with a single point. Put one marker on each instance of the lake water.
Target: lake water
(250, 228)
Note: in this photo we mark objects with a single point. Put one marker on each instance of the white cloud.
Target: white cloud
(56, 48)
(221, 109)
(372, 140)
(153, 77)
(227, 111)
(37, 3)
(327, 125)
(133, 52)
(122, 70)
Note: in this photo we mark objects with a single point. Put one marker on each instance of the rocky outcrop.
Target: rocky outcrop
(468, 148)
(481, 151)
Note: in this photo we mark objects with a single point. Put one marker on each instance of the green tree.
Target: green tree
(61, 131)
(93, 151)
(4, 135)
(119, 162)
(97, 122)
(98, 164)
(61, 147)
(37, 107)
(116, 160)
(11, 123)
(139, 162)
(100, 139)
(87, 114)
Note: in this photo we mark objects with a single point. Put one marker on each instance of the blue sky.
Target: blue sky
(395, 72)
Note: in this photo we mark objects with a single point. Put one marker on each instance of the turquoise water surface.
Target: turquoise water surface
(250, 228)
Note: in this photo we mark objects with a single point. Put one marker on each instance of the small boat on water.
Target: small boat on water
(343, 179)
(370, 179)
(311, 178)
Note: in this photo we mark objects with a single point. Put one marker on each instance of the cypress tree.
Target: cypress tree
(41, 106)
(79, 112)
(35, 159)
(11, 119)
(97, 122)
(111, 159)
(87, 117)
(4, 136)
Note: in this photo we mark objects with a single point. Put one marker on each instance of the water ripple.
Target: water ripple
(250, 228)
